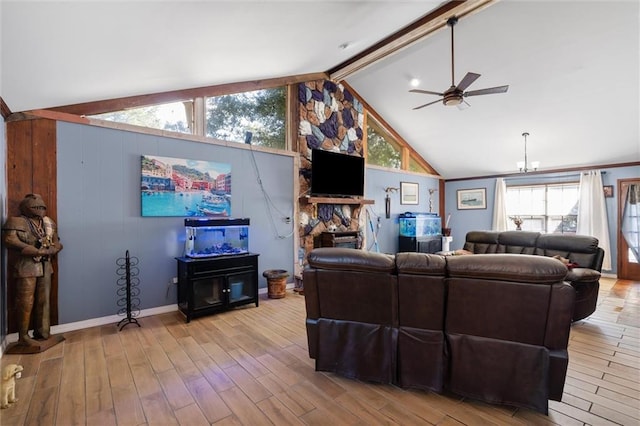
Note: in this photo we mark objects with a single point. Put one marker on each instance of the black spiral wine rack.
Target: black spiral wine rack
(128, 290)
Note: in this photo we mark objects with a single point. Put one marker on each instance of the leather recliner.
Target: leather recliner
(352, 329)
(578, 249)
(491, 327)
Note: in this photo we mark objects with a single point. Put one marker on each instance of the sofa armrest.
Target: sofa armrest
(560, 313)
(312, 305)
(576, 275)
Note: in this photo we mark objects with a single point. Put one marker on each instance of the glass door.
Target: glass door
(208, 292)
(628, 229)
(241, 286)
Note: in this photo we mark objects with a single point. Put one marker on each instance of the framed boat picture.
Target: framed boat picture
(182, 187)
(469, 199)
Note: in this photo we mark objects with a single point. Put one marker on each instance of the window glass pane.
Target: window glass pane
(562, 199)
(172, 116)
(382, 149)
(562, 224)
(551, 208)
(261, 112)
(414, 166)
(526, 200)
(533, 223)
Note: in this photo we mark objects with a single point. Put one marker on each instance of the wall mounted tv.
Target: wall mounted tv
(336, 175)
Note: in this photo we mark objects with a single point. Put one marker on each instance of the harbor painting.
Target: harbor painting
(181, 187)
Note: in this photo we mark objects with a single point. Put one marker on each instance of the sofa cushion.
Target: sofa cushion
(511, 293)
(517, 242)
(579, 249)
(421, 290)
(421, 343)
(369, 297)
(351, 259)
(481, 242)
(420, 264)
(509, 267)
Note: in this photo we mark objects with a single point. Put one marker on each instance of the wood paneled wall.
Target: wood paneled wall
(31, 168)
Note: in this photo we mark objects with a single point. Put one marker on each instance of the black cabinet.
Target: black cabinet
(209, 285)
(426, 244)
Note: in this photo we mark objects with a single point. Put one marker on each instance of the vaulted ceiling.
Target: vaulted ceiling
(572, 66)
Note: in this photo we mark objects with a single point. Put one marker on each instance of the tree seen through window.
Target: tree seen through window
(261, 112)
(382, 150)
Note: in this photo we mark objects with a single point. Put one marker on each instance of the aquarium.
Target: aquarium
(419, 224)
(216, 237)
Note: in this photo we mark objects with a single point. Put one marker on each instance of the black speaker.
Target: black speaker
(247, 137)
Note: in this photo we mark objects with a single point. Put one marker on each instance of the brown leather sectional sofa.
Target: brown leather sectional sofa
(489, 327)
(580, 250)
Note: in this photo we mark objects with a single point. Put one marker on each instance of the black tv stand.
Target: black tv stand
(214, 284)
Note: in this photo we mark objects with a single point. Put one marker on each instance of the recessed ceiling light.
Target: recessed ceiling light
(414, 82)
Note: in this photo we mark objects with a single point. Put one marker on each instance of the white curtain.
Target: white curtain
(592, 213)
(500, 206)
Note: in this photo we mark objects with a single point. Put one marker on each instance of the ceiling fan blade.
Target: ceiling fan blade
(467, 80)
(426, 92)
(430, 103)
(489, 91)
(463, 105)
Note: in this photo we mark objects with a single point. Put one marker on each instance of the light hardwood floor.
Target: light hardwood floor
(250, 366)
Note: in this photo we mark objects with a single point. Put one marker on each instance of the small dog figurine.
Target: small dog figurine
(9, 375)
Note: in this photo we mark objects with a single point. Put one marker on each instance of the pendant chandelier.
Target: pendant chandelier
(524, 165)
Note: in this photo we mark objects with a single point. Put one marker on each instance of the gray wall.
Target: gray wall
(376, 181)
(99, 215)
(463, 221)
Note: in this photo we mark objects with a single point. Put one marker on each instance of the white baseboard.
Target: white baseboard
(111, 319)
(95, 322)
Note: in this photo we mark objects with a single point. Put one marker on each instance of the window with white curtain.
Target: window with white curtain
(546, 208)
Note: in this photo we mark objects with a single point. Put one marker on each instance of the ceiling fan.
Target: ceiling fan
(455, 95)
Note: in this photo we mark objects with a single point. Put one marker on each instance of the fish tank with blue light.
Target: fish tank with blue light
(419, 224)
(216, 237)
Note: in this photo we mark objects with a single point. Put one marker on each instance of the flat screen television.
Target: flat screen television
(336, 175)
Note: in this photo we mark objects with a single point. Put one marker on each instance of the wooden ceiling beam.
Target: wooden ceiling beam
(408, 35)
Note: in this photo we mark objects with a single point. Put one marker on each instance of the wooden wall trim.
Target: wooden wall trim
(441, 201)
(119, 104)
(545, 172)
(31, 168)
(45, 113)
(4, 109)
(391, 131)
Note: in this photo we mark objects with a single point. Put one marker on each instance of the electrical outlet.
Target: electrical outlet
(174, 280)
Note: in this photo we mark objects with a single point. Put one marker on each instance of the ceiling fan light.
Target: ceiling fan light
(535, 165)
(452, 101)
(520, 165)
